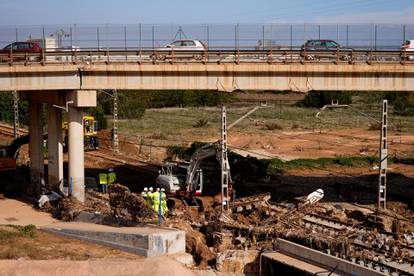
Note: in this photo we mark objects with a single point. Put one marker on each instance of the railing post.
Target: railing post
(404, 33)
(125, 43)
(17, 36)
(71, 38)
(153, 37)
(97, 37)
(263, 37)
(140, 37)
(319, 31)
(375, 37)
(347, 35)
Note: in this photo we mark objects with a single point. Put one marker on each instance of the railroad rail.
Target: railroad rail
(9, 130)
(157, 56)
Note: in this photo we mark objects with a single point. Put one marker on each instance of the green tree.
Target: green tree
(99, 115)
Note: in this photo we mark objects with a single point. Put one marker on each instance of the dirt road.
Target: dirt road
(15, 212)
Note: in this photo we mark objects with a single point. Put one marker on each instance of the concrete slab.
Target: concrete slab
(146, 240)
(300, 265)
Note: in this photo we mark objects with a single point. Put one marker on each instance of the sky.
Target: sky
(49, 12)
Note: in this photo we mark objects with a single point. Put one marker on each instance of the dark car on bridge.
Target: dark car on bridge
(19, 48)
(322, 48)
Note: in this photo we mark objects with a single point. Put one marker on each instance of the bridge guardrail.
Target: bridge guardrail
(223, 55)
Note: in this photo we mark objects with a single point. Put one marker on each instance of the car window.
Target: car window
(8, 47)
(177, 43)
(331, 44)
(310, 43)
(317, 43)
(189, 43)
(23, 46)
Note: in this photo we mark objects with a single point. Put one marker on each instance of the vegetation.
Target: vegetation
(6, 109)
(254, 166)
(132, 104)
(320, 98)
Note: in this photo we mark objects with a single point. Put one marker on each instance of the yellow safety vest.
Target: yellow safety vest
(156, 197)
(103, 178)
(111, 178)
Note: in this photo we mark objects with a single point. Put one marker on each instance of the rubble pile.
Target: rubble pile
(129, 206)
(255, 223)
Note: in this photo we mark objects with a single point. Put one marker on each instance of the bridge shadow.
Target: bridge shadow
(360, 189)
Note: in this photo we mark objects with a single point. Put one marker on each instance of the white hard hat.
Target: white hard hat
(145, 189)
(158, 189)
(162, 190)
(151, 189)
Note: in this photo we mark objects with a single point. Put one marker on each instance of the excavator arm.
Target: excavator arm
(200, 154)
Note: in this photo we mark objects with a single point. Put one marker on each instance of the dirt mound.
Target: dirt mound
(195, 244)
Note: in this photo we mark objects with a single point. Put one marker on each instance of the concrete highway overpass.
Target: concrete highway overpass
(219, 77)
(70, 87)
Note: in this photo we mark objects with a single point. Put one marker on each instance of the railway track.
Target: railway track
(128, 162)
(384, 258)
(9, 130)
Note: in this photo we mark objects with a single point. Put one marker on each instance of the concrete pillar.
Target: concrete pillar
(36, 146)
(55, 148)
(76, 154)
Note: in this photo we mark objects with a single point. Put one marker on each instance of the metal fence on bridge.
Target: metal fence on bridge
(216, 36)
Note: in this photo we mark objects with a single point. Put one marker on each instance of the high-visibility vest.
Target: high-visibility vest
(156, 197)
(103, 178)
(144, 194)
(111, 178)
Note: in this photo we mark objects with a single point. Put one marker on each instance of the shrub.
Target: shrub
(318, 99)
(273, 126)
(200, 123)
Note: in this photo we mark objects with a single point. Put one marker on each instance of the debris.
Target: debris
(129, 206)
(52, 196)
(314, 196)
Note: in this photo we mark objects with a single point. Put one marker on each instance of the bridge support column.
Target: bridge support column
(36, 146)
(75, 151)
(55, 148)
(76, 100)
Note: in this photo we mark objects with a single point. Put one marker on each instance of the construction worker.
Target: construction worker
(156, 200)
(164, 202)
(103, 180)
(144, 194)
(111, 176)
(150, 197)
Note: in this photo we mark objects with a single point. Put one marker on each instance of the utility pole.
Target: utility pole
(16, 125)
(382, 178)
(225, 170)
(115, 142)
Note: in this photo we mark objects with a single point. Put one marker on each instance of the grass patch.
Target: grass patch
(279, 166)
(14, 231)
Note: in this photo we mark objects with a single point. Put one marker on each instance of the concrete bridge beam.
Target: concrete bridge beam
(36, 146)
(55, 148)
